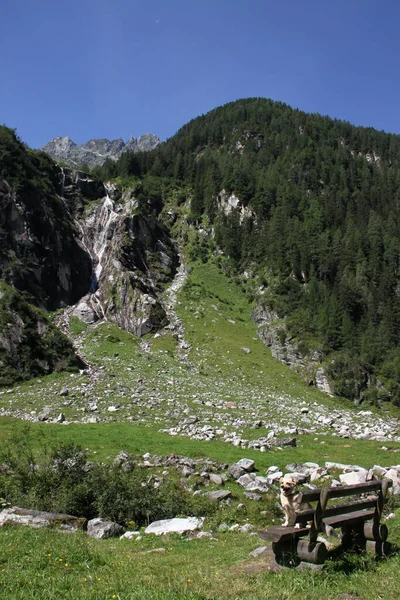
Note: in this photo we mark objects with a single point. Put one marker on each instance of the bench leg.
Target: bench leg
(353, 538)
(285, 554)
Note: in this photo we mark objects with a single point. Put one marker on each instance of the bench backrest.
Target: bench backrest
(361, 506)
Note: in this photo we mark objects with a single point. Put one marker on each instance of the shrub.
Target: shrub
(63, 480)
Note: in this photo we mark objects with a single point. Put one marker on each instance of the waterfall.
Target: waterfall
(62, 182)
(106, 218)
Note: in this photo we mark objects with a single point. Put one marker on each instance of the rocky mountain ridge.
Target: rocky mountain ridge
(96, 151)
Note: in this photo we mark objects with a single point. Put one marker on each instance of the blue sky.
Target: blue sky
(100, 68)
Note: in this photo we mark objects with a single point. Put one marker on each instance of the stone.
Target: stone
(216, 479)
(261, 552)
(61, 418)
(353, 477)
(176, 525)
(251, 483)
(38, 518)
(253, 496)
(236, 471)
(64, 392)
(218, 495)
(378, 472)
(273, 469)
(318, 473)
(247, 464)
(393, 474)
(245, 528)
(85, 313)
(101, 528)
(129, 535)
(272, 477)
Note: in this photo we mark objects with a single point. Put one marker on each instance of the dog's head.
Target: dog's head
(288, 485)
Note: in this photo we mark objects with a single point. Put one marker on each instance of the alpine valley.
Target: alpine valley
(170, 308)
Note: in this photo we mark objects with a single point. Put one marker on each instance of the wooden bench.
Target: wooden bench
(359, 521)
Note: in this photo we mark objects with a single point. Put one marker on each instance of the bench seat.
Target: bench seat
(280, 533)
(350, 519)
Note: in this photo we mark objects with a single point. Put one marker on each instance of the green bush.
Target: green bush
(63, 480)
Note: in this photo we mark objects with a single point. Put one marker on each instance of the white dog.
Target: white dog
(290, 500)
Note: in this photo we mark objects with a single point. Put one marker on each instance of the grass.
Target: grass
(48, 564)
(105, 440)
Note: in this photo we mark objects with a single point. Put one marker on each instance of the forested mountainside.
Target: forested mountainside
(306, 210)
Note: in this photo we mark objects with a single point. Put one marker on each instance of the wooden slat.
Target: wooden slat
(350, 519)
(309, 495)
(350, 490)
(280, 533)
(308, 515)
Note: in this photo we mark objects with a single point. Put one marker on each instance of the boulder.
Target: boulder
(354, 477)
(247, 464)
(236, 471)
(251, 483)
(176, 525)
(38, 518)
(101, 528)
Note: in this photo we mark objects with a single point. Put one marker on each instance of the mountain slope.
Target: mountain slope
(306, 211)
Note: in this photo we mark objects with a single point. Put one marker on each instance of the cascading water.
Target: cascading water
(106, 218)
(62, 182)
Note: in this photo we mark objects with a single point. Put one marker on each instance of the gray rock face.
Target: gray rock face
(100, 529)
(95, 152)
(52, 266)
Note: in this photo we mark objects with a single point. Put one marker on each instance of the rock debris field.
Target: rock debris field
(151, 389)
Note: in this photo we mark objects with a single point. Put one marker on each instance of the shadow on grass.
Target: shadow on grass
(349, 561)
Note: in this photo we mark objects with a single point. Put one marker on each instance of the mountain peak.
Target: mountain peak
(96, 151)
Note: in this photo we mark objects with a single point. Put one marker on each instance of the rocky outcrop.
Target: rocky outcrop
(229, 202)
(95, 152)
(273, 332)
(132, 256)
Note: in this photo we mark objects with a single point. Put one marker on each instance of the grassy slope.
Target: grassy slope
(197, 569)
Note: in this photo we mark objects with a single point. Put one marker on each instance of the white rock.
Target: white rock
(129, 535)
(176, 525)
(354, 477)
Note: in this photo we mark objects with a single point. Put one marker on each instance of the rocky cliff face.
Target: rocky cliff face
(39, 250)
(272, 331)
(132, 256)
(95, 152)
